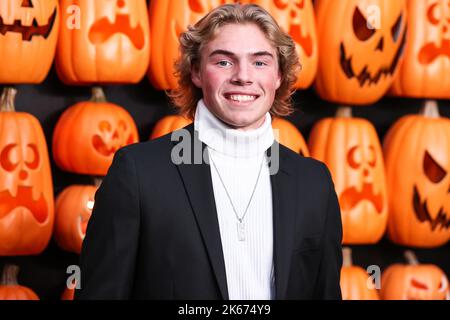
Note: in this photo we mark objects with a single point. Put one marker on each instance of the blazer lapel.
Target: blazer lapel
(284, 207)
(198, 184)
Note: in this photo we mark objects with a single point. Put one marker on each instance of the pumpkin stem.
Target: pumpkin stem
(9, 276)
(344, 112)
(411, 258)
(430, 109)
(347, 256)
(7, 99)
(98, 95)
(97, 181)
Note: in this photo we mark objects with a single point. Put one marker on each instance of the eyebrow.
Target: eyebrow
(231, 54)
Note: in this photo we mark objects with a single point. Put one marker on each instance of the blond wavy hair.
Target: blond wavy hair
(187, 95)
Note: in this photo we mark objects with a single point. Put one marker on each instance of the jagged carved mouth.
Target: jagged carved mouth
(102, 30)
(28, 32)
(423, 215)
(431, 52)
(23, 199)
(351, 197)
(364, 76)
(107, 149)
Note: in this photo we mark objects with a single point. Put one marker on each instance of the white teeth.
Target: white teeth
(242, 98)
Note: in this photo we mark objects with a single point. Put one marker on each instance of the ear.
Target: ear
(195, 76)
(278, 81)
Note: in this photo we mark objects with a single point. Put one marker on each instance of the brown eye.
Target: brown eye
(361, 27)
(396, 28)
(432, 169)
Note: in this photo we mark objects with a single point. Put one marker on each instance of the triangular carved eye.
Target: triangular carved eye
(27, 4)
(361, 27)
(432, 169)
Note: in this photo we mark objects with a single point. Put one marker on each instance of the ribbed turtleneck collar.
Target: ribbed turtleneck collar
(235, 143)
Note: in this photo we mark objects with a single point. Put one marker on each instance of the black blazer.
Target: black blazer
(154, 232)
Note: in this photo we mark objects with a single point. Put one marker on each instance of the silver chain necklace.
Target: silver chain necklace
(240, 223)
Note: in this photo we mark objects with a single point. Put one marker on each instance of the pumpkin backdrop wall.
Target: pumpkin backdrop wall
(89, 133)
(28, 34)
(73, 209)
(297, 18)
(168, 19)
(351, 149)
(112, 44)
(355, 280)
(425, 69)
(414, 281)
(357, 61)
(10, 289)
(417, 155)
(288, 135)
(26, 189)
(169, 124)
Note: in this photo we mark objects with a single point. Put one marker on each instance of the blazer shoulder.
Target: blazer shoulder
(304, 164)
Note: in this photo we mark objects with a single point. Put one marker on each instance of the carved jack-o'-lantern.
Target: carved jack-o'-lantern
(288, 135)
(111, 45)
(89, 133)
(425, 69)
(168, 19)
(26, 190)
(414, 281)
(297, 18)
(417, 154)
(351, 149)
(355, 281)
(73, 209)
(360, 45)
(169, 124)
(28, 35)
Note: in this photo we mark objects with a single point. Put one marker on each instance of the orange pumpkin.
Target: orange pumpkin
(358, 53)
(288, 135)
(297, 18)
(73, 209)
(169, 124)
(68, 294)
(168, 19)
(10, 289)
(89, 133)
(417, 155)
(414, 281)
(351, 149)
(28, 35)
(355, 280)
(111, 45)
(426, 65)
(26, 190)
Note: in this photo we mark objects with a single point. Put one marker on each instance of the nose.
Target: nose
(120, 4)
(23, 175)
(380, 45)
(242, 75)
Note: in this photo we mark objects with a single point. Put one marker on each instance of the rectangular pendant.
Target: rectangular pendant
(241, 231)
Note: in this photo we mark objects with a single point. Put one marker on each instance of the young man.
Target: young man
(248, 219)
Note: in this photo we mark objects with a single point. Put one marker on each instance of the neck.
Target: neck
(232, 141)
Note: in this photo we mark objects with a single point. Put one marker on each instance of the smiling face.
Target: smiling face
(238, 75)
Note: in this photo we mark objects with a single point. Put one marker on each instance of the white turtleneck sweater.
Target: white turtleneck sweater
(237, 156)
